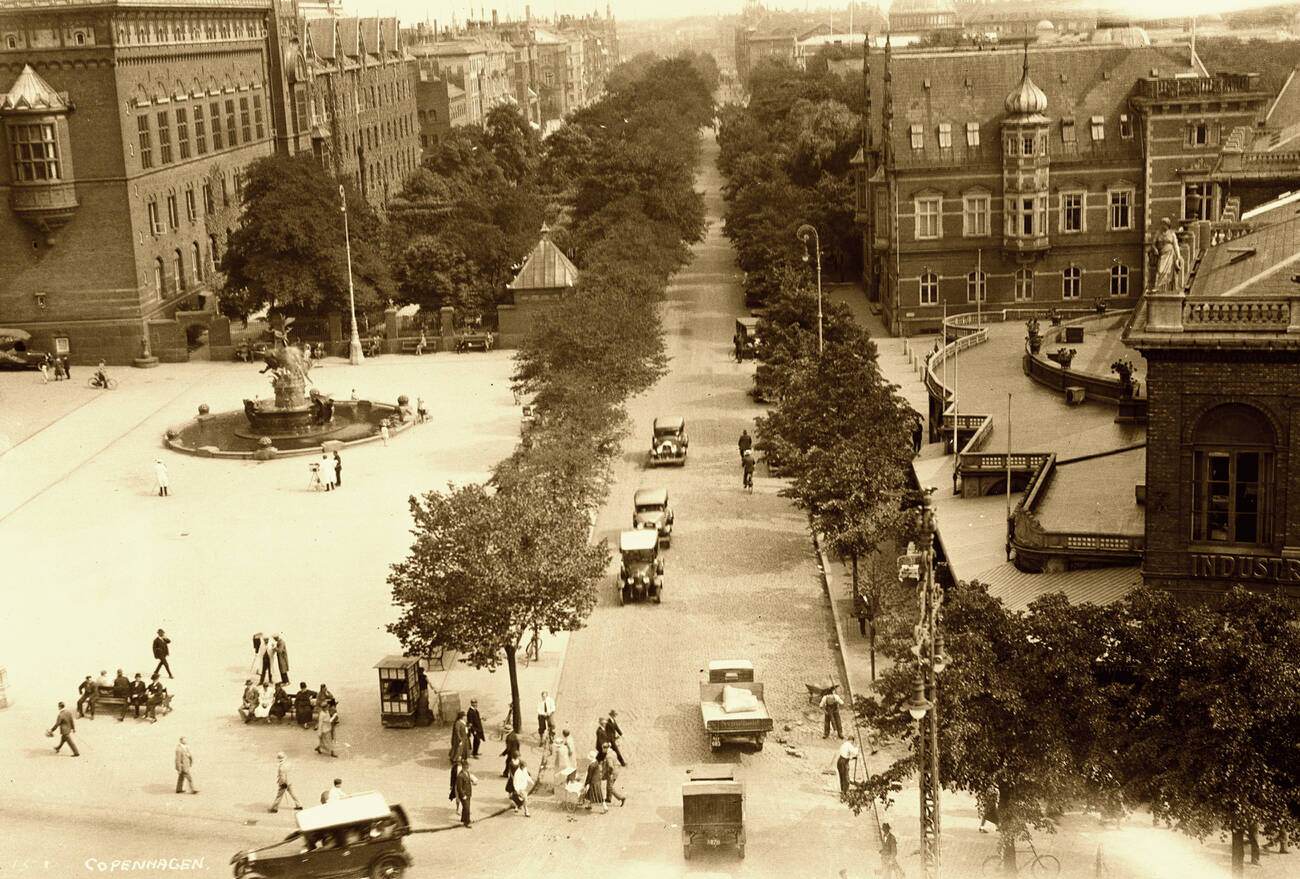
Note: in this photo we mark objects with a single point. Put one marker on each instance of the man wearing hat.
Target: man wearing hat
(282, 784)
(614, 732)
(475, 722)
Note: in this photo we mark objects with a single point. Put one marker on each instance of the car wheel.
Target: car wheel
(388, 868)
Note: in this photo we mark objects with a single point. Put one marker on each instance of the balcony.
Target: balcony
(47, 206)
(1028, 245)
(1179, 87)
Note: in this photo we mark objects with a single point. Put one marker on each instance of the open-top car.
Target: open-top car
(668, 442)
(650, 510)
(641, 574)
(356, 836)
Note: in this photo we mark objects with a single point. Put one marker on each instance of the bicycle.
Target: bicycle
(108, 384)
(533, 649)
(1039, 865)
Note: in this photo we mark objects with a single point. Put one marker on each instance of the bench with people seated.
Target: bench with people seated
(108, 702)
(284, 709)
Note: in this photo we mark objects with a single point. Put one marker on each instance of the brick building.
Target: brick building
(1223, 369)
(125, 126)
(480, 66)
(345, 91)
(1037, 176)
(440, 106)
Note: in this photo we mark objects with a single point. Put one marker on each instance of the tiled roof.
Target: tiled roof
(1262, 261)
(1285, 111)
(320, 32)
(1095, 586)
(545, 268)
(957, 87)
(30, 92)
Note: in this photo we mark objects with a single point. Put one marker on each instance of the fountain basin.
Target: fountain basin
(229, 434)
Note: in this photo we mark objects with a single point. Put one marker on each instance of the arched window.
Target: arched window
(11, 42)
(178, 268)
(79, 38)
(158, 277)
(1071, 282)
(1232, 476)
(1024, 285)
(198, 262)
(1119, 280)
(977, 287)
(929, 288)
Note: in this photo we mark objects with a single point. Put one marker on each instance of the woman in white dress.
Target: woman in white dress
(265, 699)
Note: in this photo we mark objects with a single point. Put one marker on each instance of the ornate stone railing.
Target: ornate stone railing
(1187, 87)
(1236, 314)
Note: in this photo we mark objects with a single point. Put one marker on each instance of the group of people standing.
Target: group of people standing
(324, 464)
(55, 369)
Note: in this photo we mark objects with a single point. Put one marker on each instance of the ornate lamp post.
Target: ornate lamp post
(931, 660)
(803, 233)
(354, 345)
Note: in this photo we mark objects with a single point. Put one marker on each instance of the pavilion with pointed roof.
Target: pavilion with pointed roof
(546, 271)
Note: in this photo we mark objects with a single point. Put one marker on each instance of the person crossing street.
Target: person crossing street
(282, 783)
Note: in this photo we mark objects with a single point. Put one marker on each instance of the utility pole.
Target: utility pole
(803, 233)
(355, 355)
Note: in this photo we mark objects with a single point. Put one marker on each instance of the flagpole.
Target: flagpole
(1008, 456)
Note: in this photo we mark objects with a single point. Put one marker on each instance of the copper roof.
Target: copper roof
(546, 268)
(30, 93)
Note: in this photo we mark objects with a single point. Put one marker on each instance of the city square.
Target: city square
(647, 448)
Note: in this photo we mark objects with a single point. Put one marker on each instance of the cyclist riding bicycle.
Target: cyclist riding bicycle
(101, 377)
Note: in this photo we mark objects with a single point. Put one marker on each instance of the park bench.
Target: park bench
(107, 702)
(410, 346)
(473, 342)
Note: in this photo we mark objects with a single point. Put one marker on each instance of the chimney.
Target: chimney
(494, 19)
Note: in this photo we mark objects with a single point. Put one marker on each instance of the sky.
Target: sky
(443, 10)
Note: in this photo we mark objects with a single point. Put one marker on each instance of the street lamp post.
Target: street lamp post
(924, 704)
(802, 234)
(355, 356)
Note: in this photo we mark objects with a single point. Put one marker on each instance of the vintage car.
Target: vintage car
(747, 334)
(713, 808)
(669, 441)
(356, 836)
(732, 706)
(641, 574)
(650, 510)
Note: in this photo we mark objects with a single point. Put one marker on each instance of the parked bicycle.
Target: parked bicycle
(1039, 865)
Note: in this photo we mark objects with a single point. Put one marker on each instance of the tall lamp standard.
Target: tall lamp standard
(354, 345)
(802, 234)
(924, 705)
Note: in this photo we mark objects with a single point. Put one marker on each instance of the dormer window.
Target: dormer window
(1098, 126)
(918, 137)
(11, 42)
(1068, 134)
(79, 38)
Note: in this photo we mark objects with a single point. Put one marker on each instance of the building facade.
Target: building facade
(345, 91)
(126, 126)
(440, 106)
(481, 67)
(1223, 368)
(1036, 177)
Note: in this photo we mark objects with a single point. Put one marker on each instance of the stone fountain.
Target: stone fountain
(293, 413)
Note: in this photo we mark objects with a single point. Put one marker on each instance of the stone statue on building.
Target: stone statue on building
(1169, 260)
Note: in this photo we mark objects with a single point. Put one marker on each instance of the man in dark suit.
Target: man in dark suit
(511, 753)
(475, 722)
(139, 693)
(161, 651)
(156, 694)
(603, 737)
(615, 733)
(86, 693)
(122, 690)
(66, 726)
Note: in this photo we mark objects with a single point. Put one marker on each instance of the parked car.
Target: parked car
(357, 836)
(747, 334)
(668, 441)
(641, 573)
(650, 510)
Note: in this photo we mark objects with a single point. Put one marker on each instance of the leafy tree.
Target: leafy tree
(1022, 721)
(288, 251)
(431, 273)
(485, 568)
(514, 144)
(1204, 708)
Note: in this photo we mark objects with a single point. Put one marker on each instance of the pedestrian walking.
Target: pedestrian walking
(383, 430)
(610, 775)
(421, 411)
(184, 763)
(523, 782)
(57, 368)
(465, 782)
(745, 443)
(66, 724)
(334, 793)
(161, 650)
(474, 721)
(747, 472)
(338, 470)
(566, 766)
(603, 738)
(545, 717)
(281, 650)
(888, 852)
(830, 704)
(511, 753)
(67, 368)
(615, 733)
(160, 474)
(282, 784)
(86, 697)
(325, 729)
(591, 786)
(848, 753)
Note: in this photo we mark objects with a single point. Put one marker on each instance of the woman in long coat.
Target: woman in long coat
(325, 727)
(302, 705)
